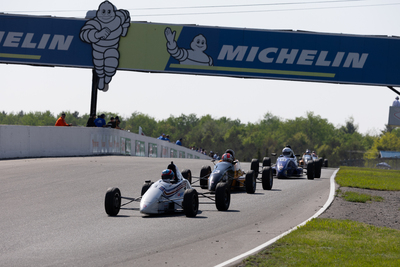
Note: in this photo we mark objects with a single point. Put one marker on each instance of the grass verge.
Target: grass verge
(369, 178)
(329, 242)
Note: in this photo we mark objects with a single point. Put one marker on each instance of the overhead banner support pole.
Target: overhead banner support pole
(394, 90)
(394, 112)
(93, 103)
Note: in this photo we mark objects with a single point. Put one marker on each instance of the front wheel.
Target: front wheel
(251, 182)
(222, 196)
(190, 203)
(266, 178)
(187, 174)
(204, 174)
(112, 202)
(310, 170)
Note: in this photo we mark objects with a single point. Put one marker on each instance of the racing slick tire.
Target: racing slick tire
(250, 182)
(266, 161)
(190, 202)
(204, 174)
(326, 163)
(266, 178)
(187, 174)
(318, 166)
(112, 202)
(255, 164)
(145, 187)
(310, 170)
(222, 196)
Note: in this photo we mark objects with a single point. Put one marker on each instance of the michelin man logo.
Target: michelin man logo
(193, 56)
(104, 32)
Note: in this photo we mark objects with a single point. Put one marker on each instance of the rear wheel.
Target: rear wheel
(112, 202)
(318, 166)
(187, 174)
(255, 164)
(222, 196)
(310, 170)
(250, 182)
(267, 178)
(266, 161)
(190, 203)
(204, 174)
(325, 163)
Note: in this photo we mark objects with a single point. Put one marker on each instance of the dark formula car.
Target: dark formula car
(228, 171)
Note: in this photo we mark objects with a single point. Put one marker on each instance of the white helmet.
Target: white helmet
(287, 152)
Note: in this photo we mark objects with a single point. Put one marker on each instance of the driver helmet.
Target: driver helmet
(227, 157)
(308, 151)
(287, 152)
(167, 174)
(230, 151)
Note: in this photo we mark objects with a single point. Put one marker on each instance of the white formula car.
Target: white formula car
(172, 193)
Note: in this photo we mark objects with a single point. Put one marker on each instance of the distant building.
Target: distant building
(389, 154)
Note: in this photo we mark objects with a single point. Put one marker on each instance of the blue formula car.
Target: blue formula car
(287, 166)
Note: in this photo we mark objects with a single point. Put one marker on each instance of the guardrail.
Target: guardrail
(19, 141)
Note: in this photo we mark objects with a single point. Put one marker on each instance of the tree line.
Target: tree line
(251, 140)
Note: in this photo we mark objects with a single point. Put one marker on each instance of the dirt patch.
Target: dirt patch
(385, 213)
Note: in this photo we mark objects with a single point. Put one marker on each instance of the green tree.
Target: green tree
(148, 124)
(252, 140)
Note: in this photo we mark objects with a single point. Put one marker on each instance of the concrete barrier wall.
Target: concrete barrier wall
(17, 141)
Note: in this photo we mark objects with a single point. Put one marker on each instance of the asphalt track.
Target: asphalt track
(52, 214)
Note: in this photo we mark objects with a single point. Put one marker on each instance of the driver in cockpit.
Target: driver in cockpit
(227, 158)
(171, 174)
(232, 153)
(168, 176)
(288, 152)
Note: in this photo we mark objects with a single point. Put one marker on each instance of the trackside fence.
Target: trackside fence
(19, 141)
(394, 163)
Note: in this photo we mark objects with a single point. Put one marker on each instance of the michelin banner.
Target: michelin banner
(115, 43)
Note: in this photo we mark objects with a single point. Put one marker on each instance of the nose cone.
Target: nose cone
(281, 168)
(148, 207)
(214, 180)
(282, 173)
(149, 201)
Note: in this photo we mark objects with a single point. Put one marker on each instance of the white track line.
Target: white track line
(257, 249)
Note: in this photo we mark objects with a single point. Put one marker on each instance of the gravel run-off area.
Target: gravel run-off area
(384, 214)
